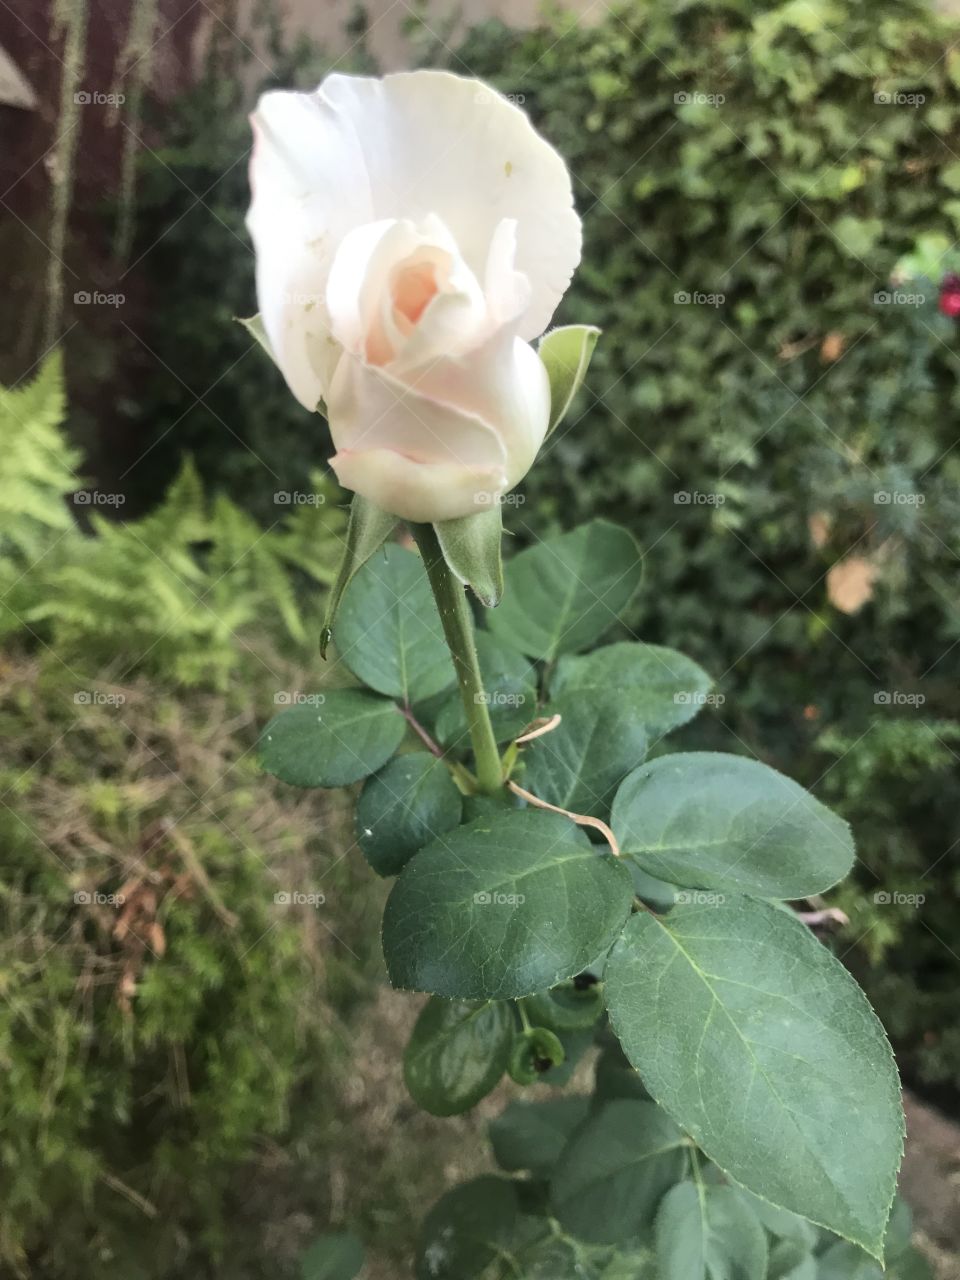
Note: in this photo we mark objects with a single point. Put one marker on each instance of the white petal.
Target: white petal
(507, 290)
(422, 492)
(309, 187)
(370, 266)
(437, 143)
(503, 383)
(368, 408)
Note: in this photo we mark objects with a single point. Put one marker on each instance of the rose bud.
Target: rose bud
(413, 234)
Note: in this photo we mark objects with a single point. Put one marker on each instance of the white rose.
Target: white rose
(413, 234)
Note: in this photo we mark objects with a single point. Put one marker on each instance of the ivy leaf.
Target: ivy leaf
(709, 1234)
(331, 739)
(367, 531)
(531, 1135)
(471, 548)
(768, 1054)
(715, 821)
(403, 807)
(662, 688)
(502, 908)
(614, 1172)
(579, 764)
(389, 632)
(566, 354)
(510, 685)
(565, 592)
(457, 1054)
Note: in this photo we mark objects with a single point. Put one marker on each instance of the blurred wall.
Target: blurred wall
(326, 21)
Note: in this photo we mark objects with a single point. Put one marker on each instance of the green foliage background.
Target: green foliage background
(146, 1070)
(798, 397)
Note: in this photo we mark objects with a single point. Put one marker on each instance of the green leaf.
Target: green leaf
(575, 1044)
(457, 1054)
(614, 1077)
(510, 684)
(911, 1265)
(467, 1229)
(709, 1234)
(564, 593)
(781, 1223)
(899, 1229)
(503, 907)
(332, 739)
(714, 821)
(768, 1054)
(844, 1261)
(662, 688)
(332, 1257)
(789, 1260)
(403, 807)
(367, 531)
(566, 354)
(531, 1135)
(471, 548)
(389, 632)
(567, 1007)
(614, 1172)
(580, 763)
(649, 889)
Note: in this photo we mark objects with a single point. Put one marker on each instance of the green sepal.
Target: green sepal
(534, 1052)
(471, 548)
(566, 354)
(367, 531)
(255, 327)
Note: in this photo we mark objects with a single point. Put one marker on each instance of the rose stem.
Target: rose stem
(457, 620)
